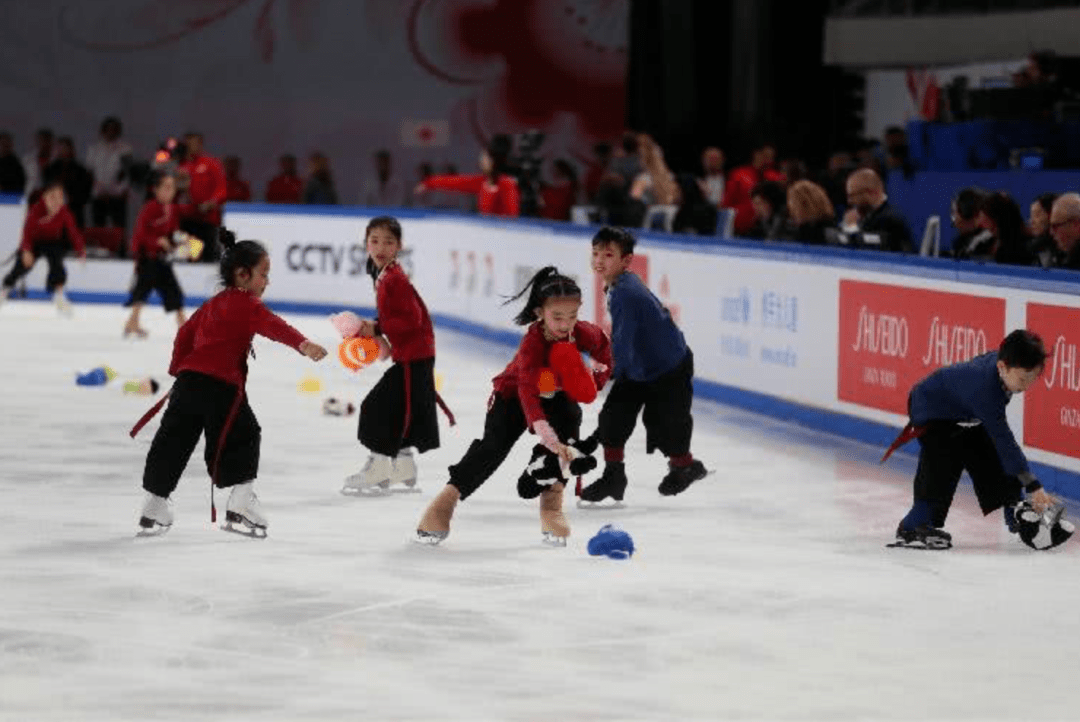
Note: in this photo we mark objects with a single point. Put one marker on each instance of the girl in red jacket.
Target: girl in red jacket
(527, 395)
(49, 231)
(151, 246)
(399, 413)
(496, 190)
(209, 362)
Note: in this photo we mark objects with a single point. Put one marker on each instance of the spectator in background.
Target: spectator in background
(870, 212)
(495, 189)
(34, 163)
(384, 190)
(897, 156)
(1065, 228)
(811, 212)
(319, 189)
(1001, 216)
(427, 199)
(615, 205)
(559, 196)
(742, 181)
(1042, 247)
(206, 190)
(597, 167)
(793, 170)
(712, 182)
(696, 213)
(75, 178)
(655, 185)
(836, 172)
(105, 161)
(769, 201)
(12, 175)
(627, 161)
(973, 239)
(286, 186)
(236, 188)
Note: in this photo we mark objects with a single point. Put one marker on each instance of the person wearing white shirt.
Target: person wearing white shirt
(105, 160)
(34, 163)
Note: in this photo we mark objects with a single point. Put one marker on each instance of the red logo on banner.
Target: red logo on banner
(639, 264)
(892, 336)
(1052, 404)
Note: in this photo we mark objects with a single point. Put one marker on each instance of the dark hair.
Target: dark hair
(388, 223)
(499, 150)
(564, 168)
(545, 283)
(621, 237)
(629, 142)
(969, 202)
(66, 140)
(157, 177)
(1022, 349)
(114, 121)
(1011, 234)
(1046, 200)
(237, 255)
(772, 193)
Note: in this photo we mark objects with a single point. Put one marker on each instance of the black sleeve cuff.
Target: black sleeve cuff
(1030, 483)
(378, 329)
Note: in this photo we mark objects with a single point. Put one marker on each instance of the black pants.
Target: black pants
(383, 427)
(207, 233)
(503, 426)
(948, 449)
(202, 404)
(109, 210)
(156, 274)
(54, 252)
(667, 419)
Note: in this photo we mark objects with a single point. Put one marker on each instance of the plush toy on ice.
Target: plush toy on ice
(355, 351)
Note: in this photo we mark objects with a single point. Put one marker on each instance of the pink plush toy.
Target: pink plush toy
(348, 325)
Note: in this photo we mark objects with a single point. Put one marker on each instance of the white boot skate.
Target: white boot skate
(156, 516)
(403, 473)
(373, 479)
(243, 513)
(553, 522)
(63, 305)
(434, 525)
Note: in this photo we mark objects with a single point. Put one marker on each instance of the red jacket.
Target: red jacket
(207, 184)
(237, 189)
(740, 182)
(39, 229)
(493, 199)
(402, 316)
(154, 221)
(522, 376)
(284, 189)
(217, 338)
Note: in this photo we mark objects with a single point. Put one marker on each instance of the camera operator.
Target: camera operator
(206, 192)
(496, 189)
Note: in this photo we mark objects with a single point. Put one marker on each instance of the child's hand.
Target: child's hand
(566, 454)
(164, 243)
(27, 259)
(367, 328)
(1041, 500)
(597, 367)
(313, 351)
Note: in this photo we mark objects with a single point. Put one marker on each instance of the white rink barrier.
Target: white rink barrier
(833, 338)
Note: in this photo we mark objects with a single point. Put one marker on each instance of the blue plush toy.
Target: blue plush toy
(95, 377)
(612, 542)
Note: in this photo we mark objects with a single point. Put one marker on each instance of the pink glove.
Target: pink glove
(547, 435)
(347, 323)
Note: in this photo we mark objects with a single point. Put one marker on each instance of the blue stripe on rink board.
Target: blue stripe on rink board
(1059, 481)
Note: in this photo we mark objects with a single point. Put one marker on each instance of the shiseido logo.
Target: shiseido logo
(952, 344)
(881, 334)
(1062, 369)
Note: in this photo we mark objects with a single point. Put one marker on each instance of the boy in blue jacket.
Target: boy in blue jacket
(654, 370)
(958, 415)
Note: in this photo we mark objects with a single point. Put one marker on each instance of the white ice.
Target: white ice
(763, 592)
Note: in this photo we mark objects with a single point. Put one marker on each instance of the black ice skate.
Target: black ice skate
(922, 537)
(680, 477)
(611, 484)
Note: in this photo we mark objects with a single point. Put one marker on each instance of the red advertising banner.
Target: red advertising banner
(1052, 404)
(892, 336)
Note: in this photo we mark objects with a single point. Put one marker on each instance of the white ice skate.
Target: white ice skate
(373, 479)
(243, 513)
(156, 516)
(403, 473)
(63, 305)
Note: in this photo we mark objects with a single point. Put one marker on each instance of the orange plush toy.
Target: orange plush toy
(576, 380)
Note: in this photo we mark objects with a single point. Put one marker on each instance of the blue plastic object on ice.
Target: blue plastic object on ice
(95, 377)
(612, 542)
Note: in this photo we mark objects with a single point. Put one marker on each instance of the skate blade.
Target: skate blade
(237, 524)
(155, 530)
(429, 538)
(549, 539)
(935, 547)
(599, 505)
(379, 490)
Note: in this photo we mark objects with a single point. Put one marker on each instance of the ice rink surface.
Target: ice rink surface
(762, 593)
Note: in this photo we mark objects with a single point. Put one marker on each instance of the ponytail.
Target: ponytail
(237, 255)
(545, 283)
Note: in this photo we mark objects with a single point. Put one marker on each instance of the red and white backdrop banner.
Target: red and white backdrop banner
(429, 80)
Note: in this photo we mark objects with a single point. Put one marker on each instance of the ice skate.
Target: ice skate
(63, 305)
(5, 291)
(553, 522)
(373, 479)
(156, 517)
(680, 477)
(922, 537)
(135, 331)
(434, 525)
(243, 513)
(403, 473)
(611, 484)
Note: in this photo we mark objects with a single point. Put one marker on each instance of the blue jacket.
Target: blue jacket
(645, 342)
(971, 391)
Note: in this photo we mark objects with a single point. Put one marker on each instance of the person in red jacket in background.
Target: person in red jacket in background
(742, 180)
(287, 186)
(521, 400)
(399, 413)
(151, 246)
(496, 190)
(49, 231)
(206, 190)
(209, 362)
(236, 188)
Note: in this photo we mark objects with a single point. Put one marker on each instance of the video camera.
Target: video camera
(526, 165)
(170, 154)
